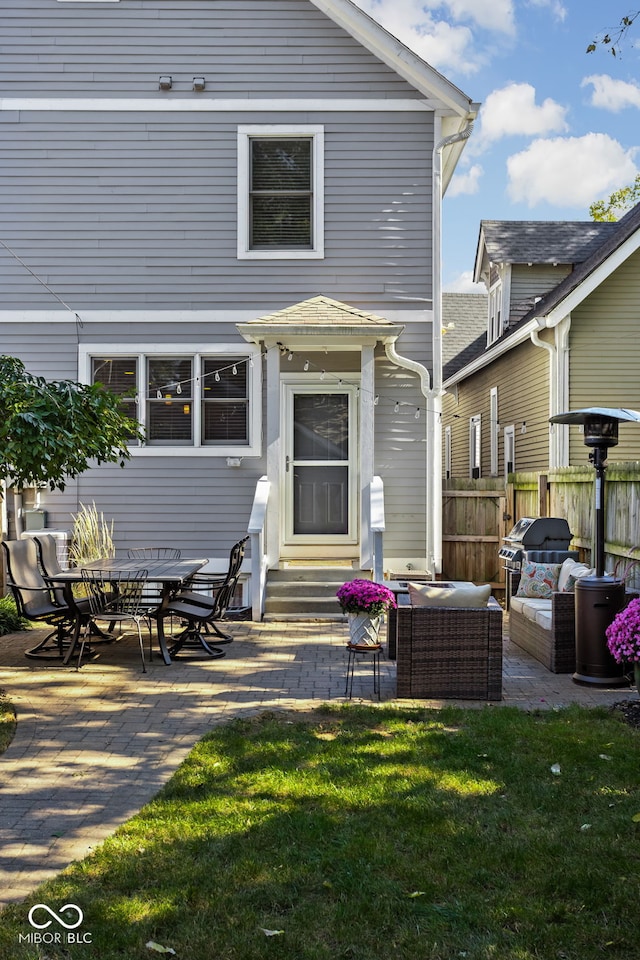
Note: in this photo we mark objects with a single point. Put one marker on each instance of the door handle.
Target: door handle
(286, 464)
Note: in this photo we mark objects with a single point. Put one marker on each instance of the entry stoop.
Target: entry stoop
(307, 592)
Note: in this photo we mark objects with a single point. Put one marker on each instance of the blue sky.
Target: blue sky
(558, 129)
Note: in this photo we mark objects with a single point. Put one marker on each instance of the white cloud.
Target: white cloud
(610, 94)
(569, 171)
(513, 110)
(465, 183)
(557, 8)
(447, 46)
(496, 15)
(463, 283)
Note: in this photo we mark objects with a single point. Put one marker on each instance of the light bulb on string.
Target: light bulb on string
(234, 370)
(418, 413)
(217, 376)
(322, 375)
(376, 400)
(178, 388)
(158, 394)
(290, 357)
(396, 407)
(306, 365)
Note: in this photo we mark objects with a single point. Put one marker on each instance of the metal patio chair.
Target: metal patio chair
(205, 602)
(38, 601)
(117, 597)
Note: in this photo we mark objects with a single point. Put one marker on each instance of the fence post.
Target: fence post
(543, 495)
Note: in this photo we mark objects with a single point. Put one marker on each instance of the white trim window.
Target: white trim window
(203, 400)
(447, 452)
(475, 447)
(495, 311)
(509, 450)
(280, 192)
(494, 427)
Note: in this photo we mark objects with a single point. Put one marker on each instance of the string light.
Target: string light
(234, 370)
(306, 366)
(217, 376)
(417, 413)
(376, 400)
(178, 388)
(396, 408)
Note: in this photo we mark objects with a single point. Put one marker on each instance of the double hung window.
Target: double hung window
(204, 400)
(280, 192)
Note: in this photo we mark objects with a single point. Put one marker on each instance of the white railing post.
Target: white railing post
(376, 501)
(259, 562)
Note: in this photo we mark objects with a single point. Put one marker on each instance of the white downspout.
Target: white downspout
(434, 407)
(558, 387)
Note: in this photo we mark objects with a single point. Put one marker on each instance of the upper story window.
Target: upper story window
(201, 402)
(475, 448)
(495, 311)
(280, 192)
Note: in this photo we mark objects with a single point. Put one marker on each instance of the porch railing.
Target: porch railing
(377, 527)
(259, 560)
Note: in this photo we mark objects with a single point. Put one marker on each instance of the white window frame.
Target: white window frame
(197, 351)
(509, 440)
(293, 131)
(496, 297)
(494, 427)
(475, 446)
(447, 452)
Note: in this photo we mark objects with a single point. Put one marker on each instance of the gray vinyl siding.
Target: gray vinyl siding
(136, 210)
(400, 446)
(605, 356)
(522, 379)
(248, 48)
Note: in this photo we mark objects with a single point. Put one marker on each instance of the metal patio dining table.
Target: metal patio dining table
(169, 573)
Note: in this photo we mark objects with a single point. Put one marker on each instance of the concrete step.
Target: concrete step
(316, 574)
(307, 592)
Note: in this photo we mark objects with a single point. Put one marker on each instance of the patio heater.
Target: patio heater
(599, 597)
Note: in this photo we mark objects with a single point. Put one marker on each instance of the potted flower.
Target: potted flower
(365, 602)
(623, 638)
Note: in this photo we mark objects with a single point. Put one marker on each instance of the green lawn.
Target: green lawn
(364, 833)
(7, 722)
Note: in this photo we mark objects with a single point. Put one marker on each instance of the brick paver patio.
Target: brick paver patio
(93, 746)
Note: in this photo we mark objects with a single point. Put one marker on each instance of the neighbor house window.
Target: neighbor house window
(447, 453)
(475, 462)
(495, 311)
(280, 192)
(509, 450)
(494, 427)
(201, 400)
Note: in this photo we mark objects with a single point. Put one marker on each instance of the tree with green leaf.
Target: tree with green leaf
(52, 430)
(618, 203)
(612, 39)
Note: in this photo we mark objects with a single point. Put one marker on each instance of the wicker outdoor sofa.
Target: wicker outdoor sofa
(449, 652)
(546, 630)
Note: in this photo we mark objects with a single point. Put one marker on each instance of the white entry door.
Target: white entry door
(319, 470)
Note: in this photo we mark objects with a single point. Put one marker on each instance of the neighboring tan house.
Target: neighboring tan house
(234, 211)
(561, 334)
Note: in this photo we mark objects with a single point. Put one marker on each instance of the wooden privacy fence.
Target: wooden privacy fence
(474, 521)
(477, 514)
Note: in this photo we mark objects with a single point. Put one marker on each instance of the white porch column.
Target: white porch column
(273, 453)
(367, 424)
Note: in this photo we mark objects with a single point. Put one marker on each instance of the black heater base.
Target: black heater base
(598, 600)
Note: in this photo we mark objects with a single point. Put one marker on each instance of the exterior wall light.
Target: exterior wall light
(165, 83)
(198, 83)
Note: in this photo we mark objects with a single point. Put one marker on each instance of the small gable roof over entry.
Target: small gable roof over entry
(323, 320)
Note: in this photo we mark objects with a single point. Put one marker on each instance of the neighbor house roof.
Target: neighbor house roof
(464, 328)
(600, 251)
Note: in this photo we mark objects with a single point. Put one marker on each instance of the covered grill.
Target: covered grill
(550, 534)
(544, 539)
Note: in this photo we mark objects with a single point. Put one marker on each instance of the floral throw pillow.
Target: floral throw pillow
(538, 580)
